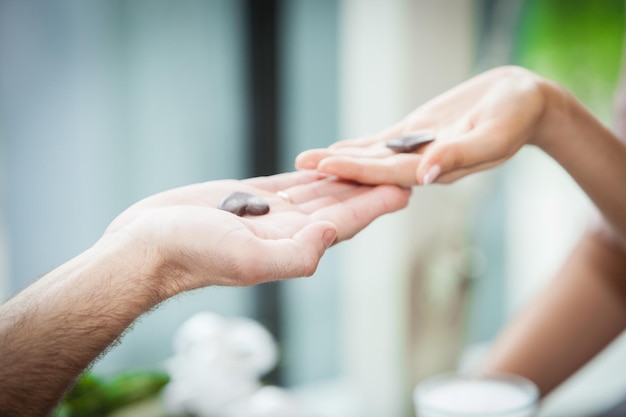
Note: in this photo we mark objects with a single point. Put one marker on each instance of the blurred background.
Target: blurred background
(105, 102)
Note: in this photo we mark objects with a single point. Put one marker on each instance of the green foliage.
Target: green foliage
(577, 43)
(96, 397)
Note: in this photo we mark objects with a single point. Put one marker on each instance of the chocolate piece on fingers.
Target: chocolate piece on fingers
(241, 203)
(409, 143)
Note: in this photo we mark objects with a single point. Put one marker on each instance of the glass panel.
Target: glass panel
(103, 103)
(309, 120)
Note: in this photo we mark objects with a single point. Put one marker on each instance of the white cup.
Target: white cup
(454, 395)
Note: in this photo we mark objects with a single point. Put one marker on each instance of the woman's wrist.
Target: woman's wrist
(556, 117)
(587, 149)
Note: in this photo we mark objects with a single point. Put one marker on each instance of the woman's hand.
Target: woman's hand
(477, 125)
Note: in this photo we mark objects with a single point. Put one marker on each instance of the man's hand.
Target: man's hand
(186, 233)
(165, 244)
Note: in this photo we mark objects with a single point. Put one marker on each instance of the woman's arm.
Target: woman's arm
(588, 150)
(482, 123)
(581, 311)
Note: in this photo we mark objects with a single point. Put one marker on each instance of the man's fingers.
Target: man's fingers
(352, 211)
(392, 197)
(292, 257)
(302, 193)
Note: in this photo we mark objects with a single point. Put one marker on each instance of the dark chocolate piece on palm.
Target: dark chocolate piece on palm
(241, 203)
(409, 143)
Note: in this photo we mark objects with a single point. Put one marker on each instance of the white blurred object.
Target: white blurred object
(216, 369)
(269, 401)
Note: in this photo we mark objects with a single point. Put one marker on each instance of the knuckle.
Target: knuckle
(454, 156)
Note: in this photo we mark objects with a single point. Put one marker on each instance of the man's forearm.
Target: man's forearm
(168, 243)
(55, 328)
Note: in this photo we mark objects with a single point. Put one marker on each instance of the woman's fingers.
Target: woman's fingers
(311, 159)
(474, 148)
(457, 149)
(455, 175)
(397, 169)
(478, 123)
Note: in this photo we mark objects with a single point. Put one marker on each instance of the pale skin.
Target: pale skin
(479, 125)
(164, 245)
(580, 312)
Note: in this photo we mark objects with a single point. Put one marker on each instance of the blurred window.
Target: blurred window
(105, 102)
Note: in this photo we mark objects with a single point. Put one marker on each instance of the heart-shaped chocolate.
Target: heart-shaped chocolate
(409, 143)
(241, 203)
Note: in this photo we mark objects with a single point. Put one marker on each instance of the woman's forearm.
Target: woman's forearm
(588, 150)
(575, 317)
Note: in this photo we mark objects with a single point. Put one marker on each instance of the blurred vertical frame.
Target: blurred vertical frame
(263, 63)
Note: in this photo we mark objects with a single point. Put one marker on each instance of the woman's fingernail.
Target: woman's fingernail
(431, 175)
